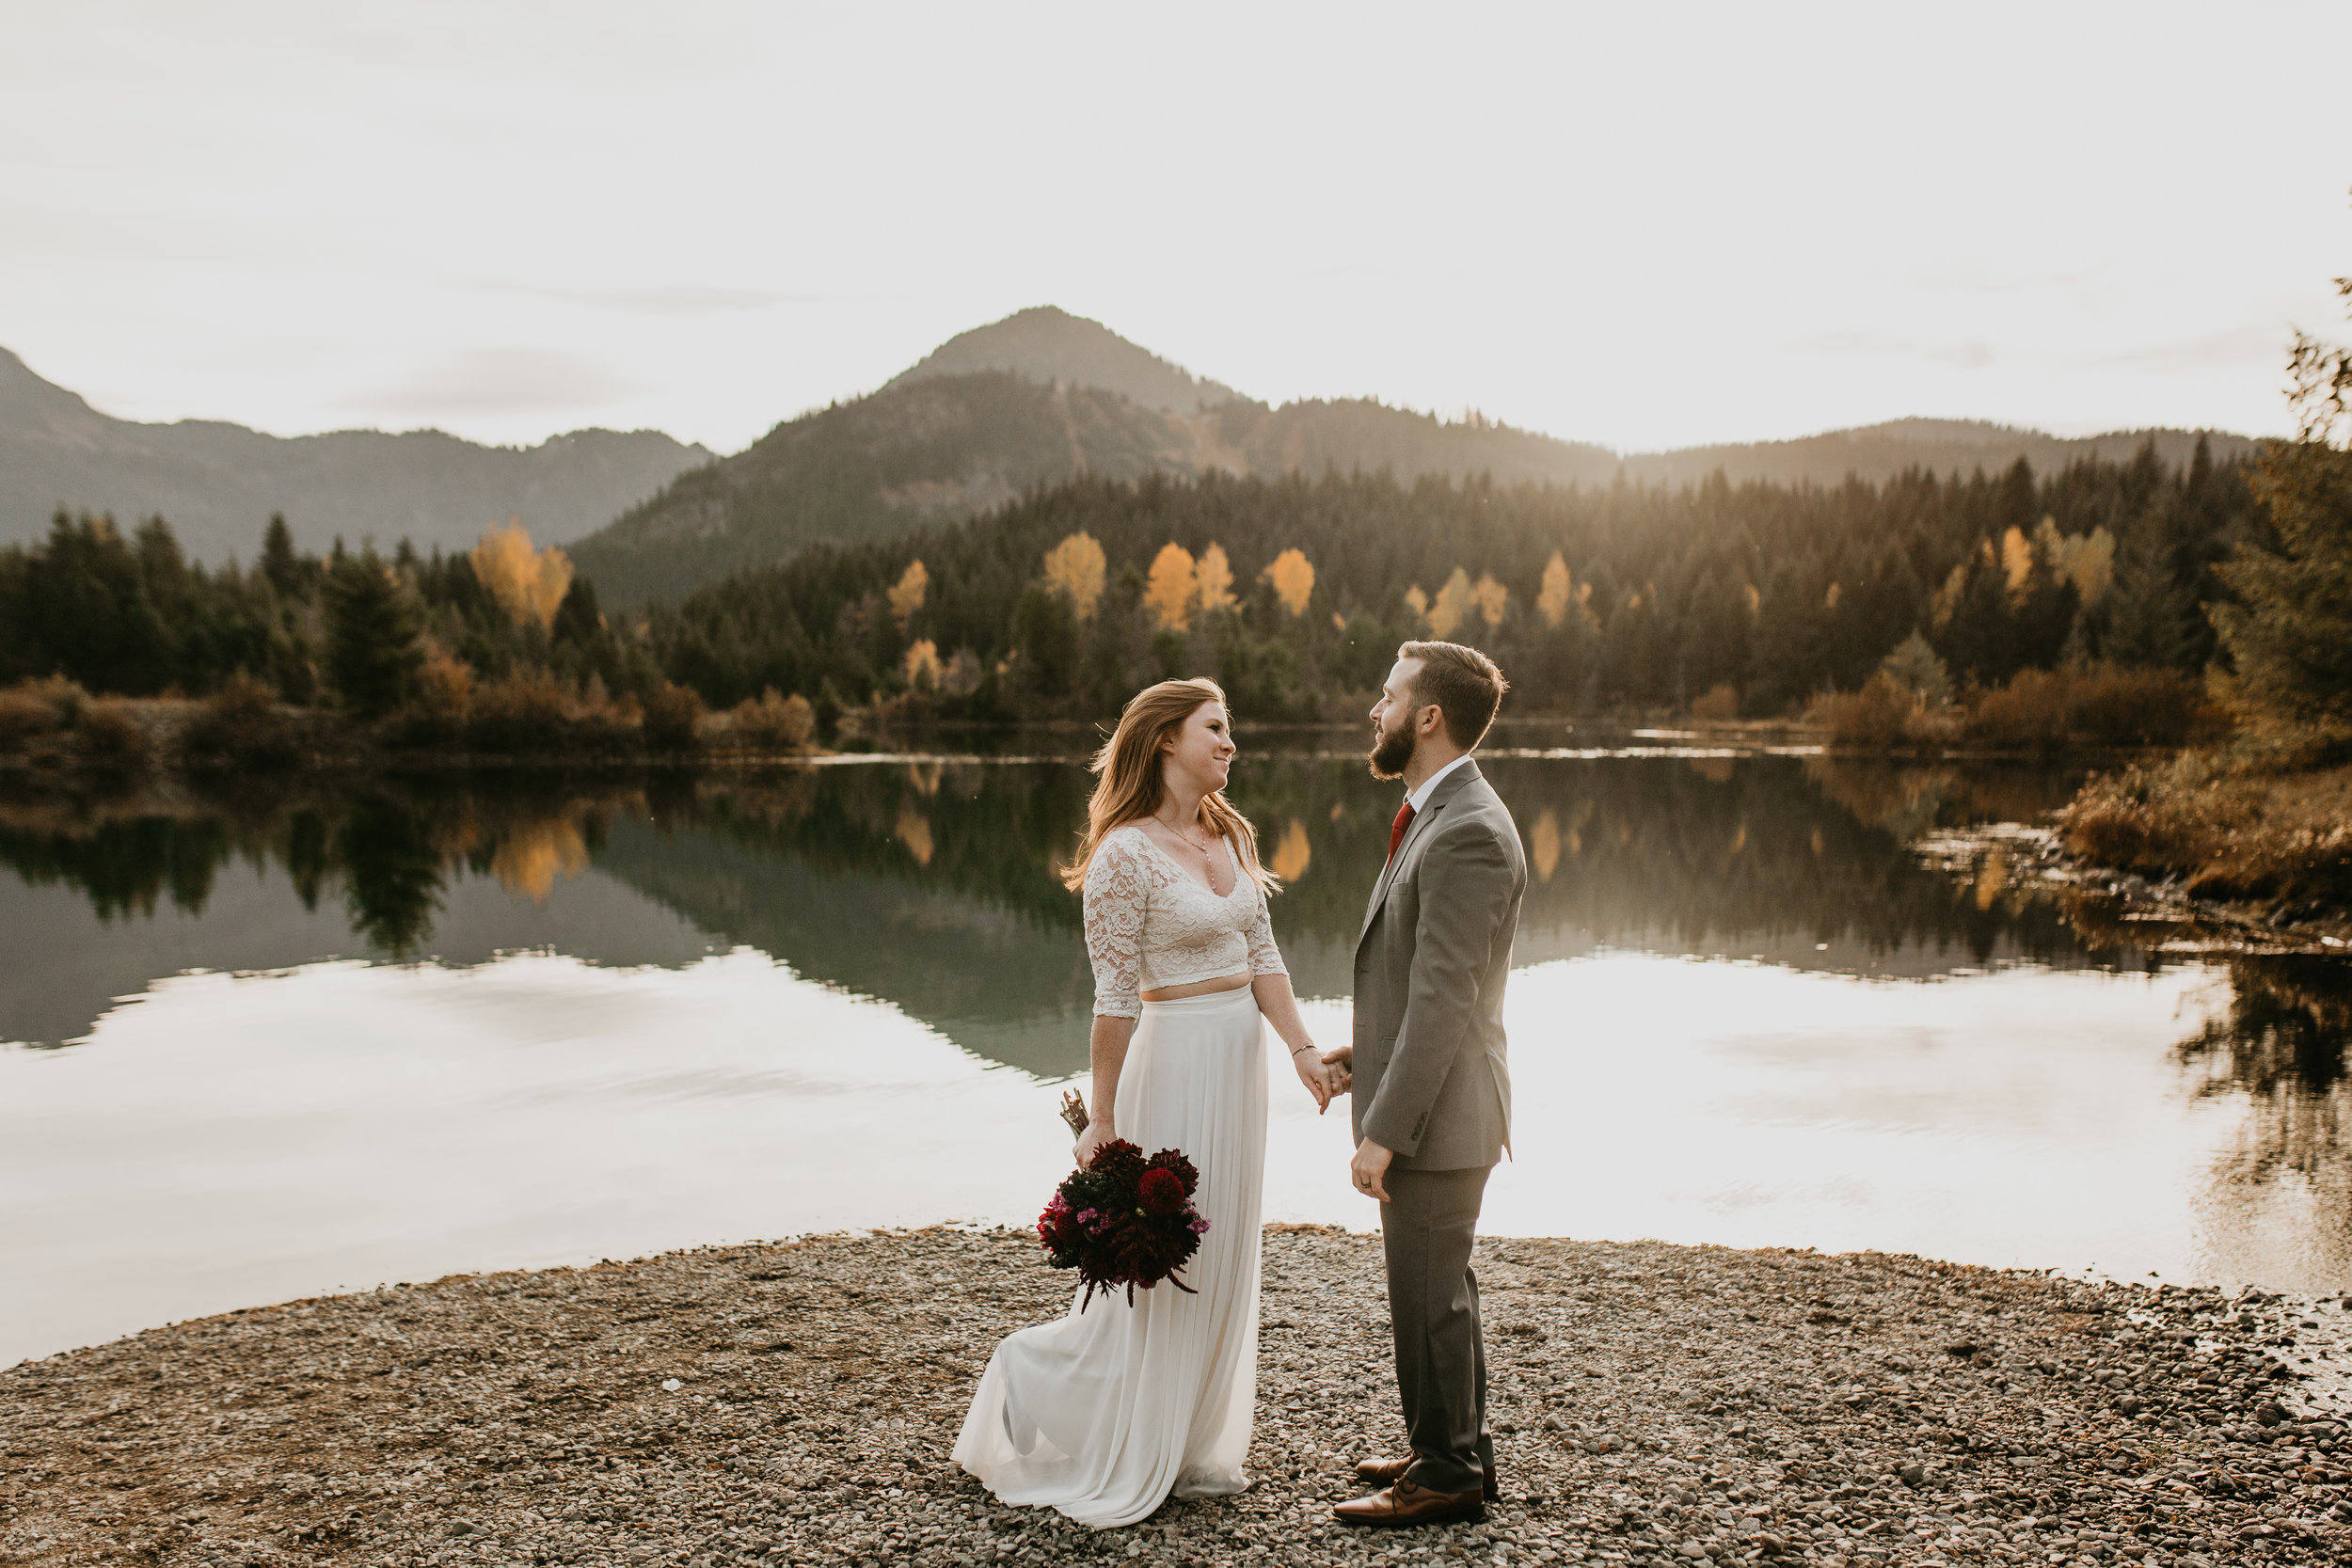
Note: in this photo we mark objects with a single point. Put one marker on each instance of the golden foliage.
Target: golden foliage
(528, 584)
(1417, 601)
(1215, 576)
(914, 830)
(445, 689)
(1718, 704)
(1552, 597)
(1828, 600)
(531, 856)
(906, 598)
(1452, 606)
(923, 669)
(2085, 560)
(1492, 599)
(1755, 598)
(1338, 621)
(1293, 853)
(1947, 597)
(1294, 579)
(2016, 559)
(1546, 846)
(770, 722)
(1172, 587)
(1075, 567)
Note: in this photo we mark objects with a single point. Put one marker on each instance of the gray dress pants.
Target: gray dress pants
(1427, 1229)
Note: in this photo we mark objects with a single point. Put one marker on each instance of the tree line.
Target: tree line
(1293, 591)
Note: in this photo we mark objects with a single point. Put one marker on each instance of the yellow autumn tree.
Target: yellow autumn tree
(1075, 567)
(1554, 595)
(1214, 578)
(1291, 856)
(1491, 599)
(2016, 561)
(1453, 605)
(1418, 602)
(1175, 584)
(906, 598)
(923, 669)
(1294, 579)
(528, 584)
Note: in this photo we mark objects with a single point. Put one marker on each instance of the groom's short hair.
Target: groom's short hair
(1464, 683)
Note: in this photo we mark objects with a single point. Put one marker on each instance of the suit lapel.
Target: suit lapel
(1439, 800)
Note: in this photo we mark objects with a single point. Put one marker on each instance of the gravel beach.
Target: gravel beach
(793, 1402)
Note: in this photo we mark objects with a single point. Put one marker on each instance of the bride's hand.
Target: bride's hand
(1317, 1077)
(1090, 1143)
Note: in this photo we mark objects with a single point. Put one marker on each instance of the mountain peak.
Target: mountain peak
(1047, 343)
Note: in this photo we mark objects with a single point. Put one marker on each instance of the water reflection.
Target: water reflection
(932, 885)
(1720, 1014)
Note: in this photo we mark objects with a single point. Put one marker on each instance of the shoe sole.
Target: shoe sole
(1459, 1516)
(1491, 1494)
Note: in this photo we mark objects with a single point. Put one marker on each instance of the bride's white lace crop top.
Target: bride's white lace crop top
(1150, 924)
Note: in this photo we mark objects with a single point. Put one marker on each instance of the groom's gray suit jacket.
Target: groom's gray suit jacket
(1433, 1080)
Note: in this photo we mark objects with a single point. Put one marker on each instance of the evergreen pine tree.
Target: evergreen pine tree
(373, 630)
(2291, 630)
(278, 563)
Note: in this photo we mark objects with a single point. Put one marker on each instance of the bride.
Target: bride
(1105, 1411)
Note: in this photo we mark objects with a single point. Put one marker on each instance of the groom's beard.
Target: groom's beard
(1393, 751)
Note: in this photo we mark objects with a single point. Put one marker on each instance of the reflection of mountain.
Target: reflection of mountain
(933, 886)
(68, 964)
(996, 981)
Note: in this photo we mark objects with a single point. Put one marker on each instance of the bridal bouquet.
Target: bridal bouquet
(1124, 1220)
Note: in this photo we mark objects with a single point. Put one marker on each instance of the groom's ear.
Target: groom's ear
(1430, 719)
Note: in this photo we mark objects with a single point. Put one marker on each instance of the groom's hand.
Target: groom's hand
(1342, 1065)
(1366, 1170)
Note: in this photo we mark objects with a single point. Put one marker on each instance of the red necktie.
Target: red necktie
(1396, 830)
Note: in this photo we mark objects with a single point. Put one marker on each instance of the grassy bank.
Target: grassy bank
(2038, 713)
(2227, 828)
(530, 718)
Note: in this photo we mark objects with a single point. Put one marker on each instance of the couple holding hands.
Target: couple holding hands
(1105, 1413)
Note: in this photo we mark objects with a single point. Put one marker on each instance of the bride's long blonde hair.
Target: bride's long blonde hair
(1130, 785)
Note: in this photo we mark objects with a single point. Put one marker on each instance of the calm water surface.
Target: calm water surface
(289, 1040)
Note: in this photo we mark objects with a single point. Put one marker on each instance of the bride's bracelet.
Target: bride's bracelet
(1296, 1050)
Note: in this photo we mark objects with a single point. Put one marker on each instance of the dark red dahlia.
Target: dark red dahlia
(1161, 1192)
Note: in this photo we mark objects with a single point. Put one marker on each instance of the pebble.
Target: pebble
(793, 1404)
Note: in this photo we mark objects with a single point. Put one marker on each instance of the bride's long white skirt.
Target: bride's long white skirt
(1105, 1411)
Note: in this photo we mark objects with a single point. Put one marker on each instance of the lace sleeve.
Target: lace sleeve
(1264, 957)
(1116, 894)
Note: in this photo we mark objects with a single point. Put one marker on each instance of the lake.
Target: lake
(273, 1039)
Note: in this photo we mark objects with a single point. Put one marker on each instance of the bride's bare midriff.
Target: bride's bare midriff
(1196, 988)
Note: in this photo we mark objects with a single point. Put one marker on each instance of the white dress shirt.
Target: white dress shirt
(1420, 798)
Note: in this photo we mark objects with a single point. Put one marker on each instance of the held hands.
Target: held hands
(1315, 1072)
(1341, 1065)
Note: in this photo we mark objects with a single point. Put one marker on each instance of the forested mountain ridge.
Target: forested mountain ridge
(1042, 398)
(1043, 343)
(218, 483)
(1880, 451)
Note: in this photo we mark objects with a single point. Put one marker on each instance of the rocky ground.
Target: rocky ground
(793, 1404)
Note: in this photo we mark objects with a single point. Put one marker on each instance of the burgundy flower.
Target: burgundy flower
(1161, 1192)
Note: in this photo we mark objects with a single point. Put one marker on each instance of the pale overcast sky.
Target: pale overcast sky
(1641, 225)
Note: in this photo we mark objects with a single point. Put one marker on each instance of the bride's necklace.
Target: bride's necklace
(1198, 846)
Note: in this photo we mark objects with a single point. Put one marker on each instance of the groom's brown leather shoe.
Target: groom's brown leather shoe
(1387, 1472)
(1404, 1504)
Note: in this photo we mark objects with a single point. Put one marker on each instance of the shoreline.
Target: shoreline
(794, 1403)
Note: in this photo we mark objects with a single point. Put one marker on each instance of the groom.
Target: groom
(1432, 1090)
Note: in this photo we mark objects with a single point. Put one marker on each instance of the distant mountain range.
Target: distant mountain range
(1042, 396)
(1029, 400)
(217, 483)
